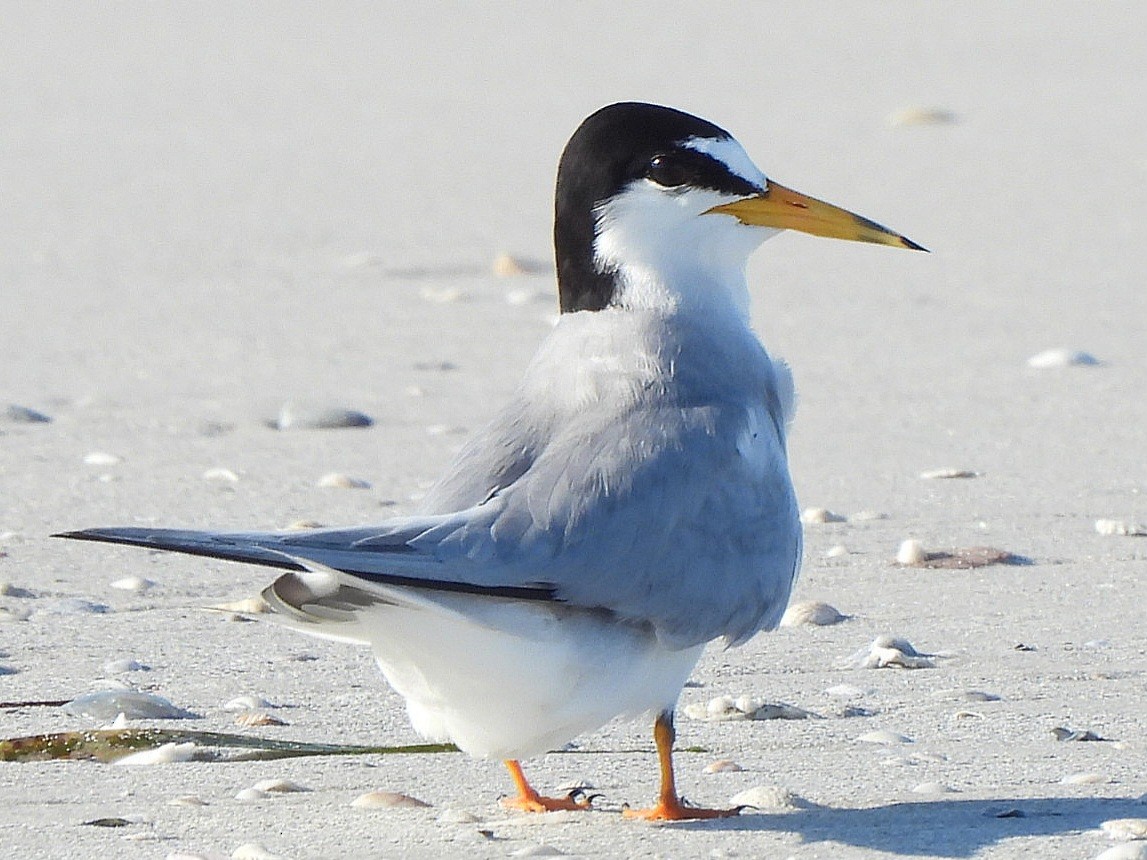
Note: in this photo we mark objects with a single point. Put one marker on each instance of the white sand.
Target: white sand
(205, 213)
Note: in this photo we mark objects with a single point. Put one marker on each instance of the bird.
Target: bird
(631, 503)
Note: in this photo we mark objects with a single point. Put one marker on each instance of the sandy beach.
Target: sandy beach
(214, 219)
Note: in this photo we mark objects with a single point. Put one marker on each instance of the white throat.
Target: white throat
(666, 255)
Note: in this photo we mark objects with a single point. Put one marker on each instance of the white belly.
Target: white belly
(520, 678)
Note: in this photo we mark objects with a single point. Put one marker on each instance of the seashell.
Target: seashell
(1082, 779)
(164, 754)
(338, 480)
(279, 786)
(250, 795)
(769, 797)
(888, 651)
(302, 417)
(250, 719)
(838, 551)
(253, 851)
(1127, 851)
(187, 800)
(116, 667)
(101, 458)
(909, 116)
(247, 702)
(1061, 733)
(935, 474)
(1053, 358)
(248, 605)
(726, 708)
(387, 800)
(869, 516)
(107, 704)
(882, 736)
(811, 612)
(507, 266)
(1125, 828)
(220, 475)
(810, 516)
(723, 765)
(24, 415)
(135, 584)
(911, 552)
(1121, 528)
(300, 525)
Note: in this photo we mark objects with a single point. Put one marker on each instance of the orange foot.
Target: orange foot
(675, 810)
(533, 802)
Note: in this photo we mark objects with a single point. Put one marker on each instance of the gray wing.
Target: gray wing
(672, 516)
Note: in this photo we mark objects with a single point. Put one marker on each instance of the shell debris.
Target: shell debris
(916, 115)
(507, 265)
(164, 754)
(883, 736)
(137, 584)
(911, 552)
(726, 709)
(25, 415)
(221, 475)
(812, 516)
(387, 800)
(101, 458)
(1083, 778)
(769, 797)
(936, 474)
(247, 702)
(1053, 358)
(338, 480)
(1121, 528)
(1126, 829)
(187, 800)
(723, 765)
(248, 606)
(279, 786)
(811, 612)
(253, 851)
(108, 704)
(891, 651)
(250, 795)
(293, 416)
(1126, 851)
(251, 719)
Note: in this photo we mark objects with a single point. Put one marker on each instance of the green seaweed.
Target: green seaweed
(107, 745)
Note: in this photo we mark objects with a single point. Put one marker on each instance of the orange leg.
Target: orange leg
(528, 800)
(669, 806)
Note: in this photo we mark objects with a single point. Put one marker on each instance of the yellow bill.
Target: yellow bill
(785, 209)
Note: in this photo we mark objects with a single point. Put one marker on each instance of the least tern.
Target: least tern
(631, 503)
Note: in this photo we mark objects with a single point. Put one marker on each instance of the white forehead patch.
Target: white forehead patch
(731, 154)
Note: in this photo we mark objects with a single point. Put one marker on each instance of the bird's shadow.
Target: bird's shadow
(947, 828)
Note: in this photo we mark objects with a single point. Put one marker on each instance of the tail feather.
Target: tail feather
(230, 547)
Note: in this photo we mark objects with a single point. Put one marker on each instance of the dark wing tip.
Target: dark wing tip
(912, 246)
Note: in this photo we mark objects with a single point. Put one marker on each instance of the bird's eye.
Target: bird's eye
(667, 171)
